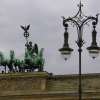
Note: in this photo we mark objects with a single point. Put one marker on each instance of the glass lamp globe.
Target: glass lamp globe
(66, 52)
(94, 51)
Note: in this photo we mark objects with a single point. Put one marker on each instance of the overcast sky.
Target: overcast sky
(46, 30)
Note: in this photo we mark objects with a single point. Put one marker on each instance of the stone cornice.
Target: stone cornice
(88, 75)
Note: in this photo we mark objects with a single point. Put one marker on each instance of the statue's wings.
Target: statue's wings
(22, 27)
(28, 27)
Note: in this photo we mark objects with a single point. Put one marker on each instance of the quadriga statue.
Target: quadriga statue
(33, 59)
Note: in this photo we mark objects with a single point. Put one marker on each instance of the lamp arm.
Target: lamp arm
(79, 30)
(71, 20)
(90, 18)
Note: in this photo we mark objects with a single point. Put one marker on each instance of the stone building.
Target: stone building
(45, 86)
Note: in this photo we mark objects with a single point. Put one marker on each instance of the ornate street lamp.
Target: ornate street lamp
(66, 50)
(79, 20)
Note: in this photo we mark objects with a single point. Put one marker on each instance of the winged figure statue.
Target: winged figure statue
(25, 28)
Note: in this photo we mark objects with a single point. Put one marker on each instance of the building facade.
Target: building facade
(45, 86)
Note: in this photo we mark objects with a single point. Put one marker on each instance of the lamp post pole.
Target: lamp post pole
(80, 20)
(80, 87)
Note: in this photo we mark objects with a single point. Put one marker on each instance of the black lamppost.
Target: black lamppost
(79, 20)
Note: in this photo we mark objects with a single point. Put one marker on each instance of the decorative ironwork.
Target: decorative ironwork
(79, 20)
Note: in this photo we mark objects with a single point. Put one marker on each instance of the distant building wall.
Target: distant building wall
(44, 86)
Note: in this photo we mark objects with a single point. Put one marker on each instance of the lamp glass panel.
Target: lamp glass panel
(66, 54)
(94, 53)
